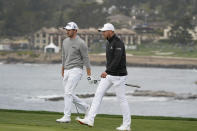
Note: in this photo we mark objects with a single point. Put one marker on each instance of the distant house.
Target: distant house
(146, 32)
(20, 44)
(17, 43)
(5, 44)
(144, 28)
(194, 33)
(123, 20)
(41, 38)
(5, 47)
(166, 33)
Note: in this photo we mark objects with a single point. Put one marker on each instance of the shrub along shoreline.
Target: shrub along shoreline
(100, 59)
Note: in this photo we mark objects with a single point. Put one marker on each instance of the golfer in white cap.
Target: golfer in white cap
(114, 75)
(74, 57)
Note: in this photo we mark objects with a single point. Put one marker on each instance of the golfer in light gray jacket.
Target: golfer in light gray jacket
(74, 57)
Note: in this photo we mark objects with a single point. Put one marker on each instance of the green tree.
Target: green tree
(12, 18)
(88, 14)
(180, 31)
(22, 17)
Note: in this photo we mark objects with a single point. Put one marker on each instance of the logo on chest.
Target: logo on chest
(74, 47)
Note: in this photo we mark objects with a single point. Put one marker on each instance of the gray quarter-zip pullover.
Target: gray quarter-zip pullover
(74, 53)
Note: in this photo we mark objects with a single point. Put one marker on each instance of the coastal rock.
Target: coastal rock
(153, 93)
(185, 96)
(144, 93)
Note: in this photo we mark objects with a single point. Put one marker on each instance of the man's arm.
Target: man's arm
(63, 60)
(85, 57)
(86, 61)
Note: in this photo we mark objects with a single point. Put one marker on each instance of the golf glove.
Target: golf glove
(91, 80)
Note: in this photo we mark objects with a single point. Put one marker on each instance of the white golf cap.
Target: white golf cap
(107, 26)
(71, 26)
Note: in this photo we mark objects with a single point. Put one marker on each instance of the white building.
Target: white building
(4, 47)
(166, 33)
(42, 37)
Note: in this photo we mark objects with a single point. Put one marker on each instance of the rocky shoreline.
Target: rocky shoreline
(152, 61)
(96, 59)
(136, 93)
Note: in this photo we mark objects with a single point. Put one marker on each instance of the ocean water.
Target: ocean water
(25, 87)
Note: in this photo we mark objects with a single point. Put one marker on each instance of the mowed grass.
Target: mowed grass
(150, 49)
(14, 120)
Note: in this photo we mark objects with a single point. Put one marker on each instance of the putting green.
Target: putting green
(13, 127)
(13, 120)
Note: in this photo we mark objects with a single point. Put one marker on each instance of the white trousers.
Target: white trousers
(119, 83)
(70, 81)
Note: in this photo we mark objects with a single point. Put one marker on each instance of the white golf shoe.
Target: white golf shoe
(124, 128)
(85, 121)
(64, 119)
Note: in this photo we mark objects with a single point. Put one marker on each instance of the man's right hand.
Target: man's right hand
(103, 75)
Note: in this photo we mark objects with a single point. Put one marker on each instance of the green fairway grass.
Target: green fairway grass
(14, 120)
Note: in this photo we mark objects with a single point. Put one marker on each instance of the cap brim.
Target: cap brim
(101, 30)
(104, 29)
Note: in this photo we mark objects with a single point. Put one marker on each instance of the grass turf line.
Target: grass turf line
(16, 120)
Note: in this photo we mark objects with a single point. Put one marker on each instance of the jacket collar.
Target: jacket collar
(111, 39)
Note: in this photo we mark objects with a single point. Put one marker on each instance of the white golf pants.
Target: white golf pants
(119, 83)
(70, 81)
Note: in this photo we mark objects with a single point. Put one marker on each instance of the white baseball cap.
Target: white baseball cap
(71, 26)
(107, 26)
